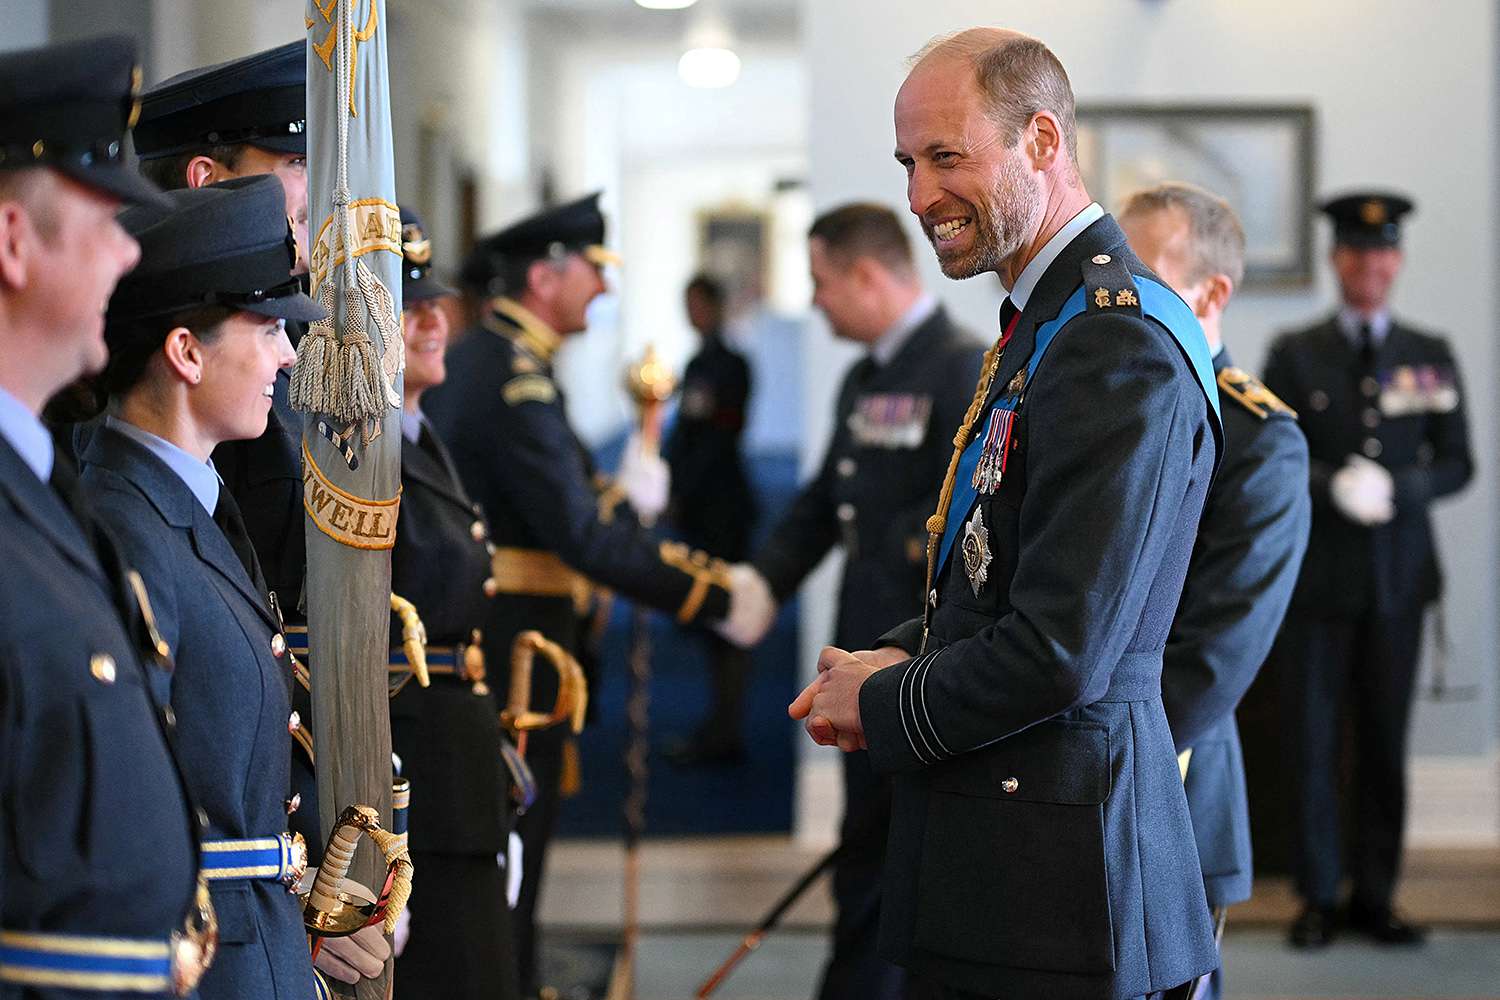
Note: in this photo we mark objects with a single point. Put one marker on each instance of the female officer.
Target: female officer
(196, 339)
(448, 735)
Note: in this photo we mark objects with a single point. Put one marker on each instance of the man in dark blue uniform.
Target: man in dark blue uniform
(1383, 410)
(892, 434)
(237, 119)
(712, 507)
(98, 845)
(1250, 540)
(555, 525)
(1040, 841)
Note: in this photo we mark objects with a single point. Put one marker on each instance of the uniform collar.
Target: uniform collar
(1350, 320)
(411, 425)
(27, 435)
(200, 477)
(1032, 273)
(529, 331)
(891, 342)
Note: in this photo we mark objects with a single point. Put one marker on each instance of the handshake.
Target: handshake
(1363, 492)
(647, 483)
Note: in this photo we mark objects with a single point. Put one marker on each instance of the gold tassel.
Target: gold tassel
(571, 781)
(393, 847)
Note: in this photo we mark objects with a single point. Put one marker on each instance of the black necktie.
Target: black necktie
(1008, 313)
(227, 516)
(1367, 347)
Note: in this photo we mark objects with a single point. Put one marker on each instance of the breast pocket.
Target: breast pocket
(1013, 869)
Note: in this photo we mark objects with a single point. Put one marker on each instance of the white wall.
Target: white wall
(1405, 98)
(23, 23)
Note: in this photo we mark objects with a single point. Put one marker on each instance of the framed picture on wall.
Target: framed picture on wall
(1259, 158)
(734, 245)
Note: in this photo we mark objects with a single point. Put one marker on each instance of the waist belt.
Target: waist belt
(1137, 677)
(536, 573)
(296, 639)
(464, 661)
(282, 858)
(78, 962)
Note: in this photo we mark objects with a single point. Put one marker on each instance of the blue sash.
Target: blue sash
(1158, 302)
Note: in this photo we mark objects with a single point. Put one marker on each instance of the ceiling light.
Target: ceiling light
(665, 4)
(709, 67)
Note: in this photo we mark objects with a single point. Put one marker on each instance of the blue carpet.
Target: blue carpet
(752, 797)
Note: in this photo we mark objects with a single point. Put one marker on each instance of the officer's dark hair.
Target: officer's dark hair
(170, 172)
(30, 187)
(864, 229)
(133, 343)
(1018, 75)
(1217, 241)
(709, 287)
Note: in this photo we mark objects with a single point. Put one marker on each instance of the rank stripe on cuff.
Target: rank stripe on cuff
(912, 705)
(261, 858)
(75, 961)
(928, 661)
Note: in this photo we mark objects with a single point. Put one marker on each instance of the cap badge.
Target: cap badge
(1372, 212)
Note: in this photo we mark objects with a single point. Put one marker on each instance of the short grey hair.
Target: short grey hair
(1216, 238)
(1018, 75)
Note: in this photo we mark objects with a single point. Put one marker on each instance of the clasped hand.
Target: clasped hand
(830, 704)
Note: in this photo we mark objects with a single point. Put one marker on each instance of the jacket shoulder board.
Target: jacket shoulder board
(529, 388)
(1108, 285)
(1249, 392)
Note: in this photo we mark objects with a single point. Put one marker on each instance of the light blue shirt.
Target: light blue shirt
(1033, 271)
(1350, 320)
(26, 434)
(201, 477)
(891, 342)
(411, 425)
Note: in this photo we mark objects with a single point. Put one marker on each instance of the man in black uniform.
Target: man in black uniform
(1383, 411)
(98, 845)
(1040, 840)
(711, 506)
(556, 527)
(1250, 540)
(894, 419)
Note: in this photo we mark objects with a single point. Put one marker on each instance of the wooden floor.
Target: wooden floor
(730, 882)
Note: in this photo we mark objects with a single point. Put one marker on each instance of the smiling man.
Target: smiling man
(1040, 841)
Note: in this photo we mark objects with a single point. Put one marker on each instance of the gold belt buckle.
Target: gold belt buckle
(470, 659)
(298, 867)
(192, 948)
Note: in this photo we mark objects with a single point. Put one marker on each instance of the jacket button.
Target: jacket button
(1372, 448)
(293, 722)
(1011, 785)
(477, 532)
(278, 645)
(201, 817)
(846, 512)
(102, 666)
(1318, 400)
(847, 467)
(491, 587)
(1371, 418)
(1369, 386)
(169, 717)
(294, 803)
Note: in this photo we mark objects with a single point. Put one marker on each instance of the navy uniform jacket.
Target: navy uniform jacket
(712, 505)
(447, 735)
(230, 692)
(96, 836)
(502, 418)
(1239, 583)
(892, 436)
(1040, 841)
(1409, 417)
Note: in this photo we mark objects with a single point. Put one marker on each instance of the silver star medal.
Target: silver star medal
(976, 550)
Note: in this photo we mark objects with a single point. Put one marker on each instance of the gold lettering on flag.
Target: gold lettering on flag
(375, 225)
(344, 517)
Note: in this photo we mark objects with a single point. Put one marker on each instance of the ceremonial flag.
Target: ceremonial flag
(348, 383)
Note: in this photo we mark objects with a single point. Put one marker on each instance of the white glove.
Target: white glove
(752, 609)
(1363, 491)
(403, 931)
(361, 955)
(646, 480)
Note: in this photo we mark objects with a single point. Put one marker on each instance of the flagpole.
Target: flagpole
(348, 384)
